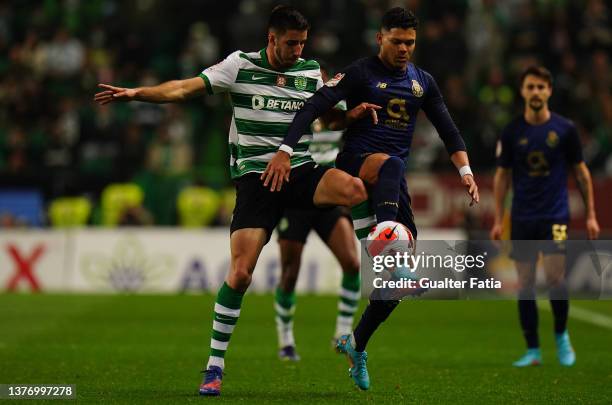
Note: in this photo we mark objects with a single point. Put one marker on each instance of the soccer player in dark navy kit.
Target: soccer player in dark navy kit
(534, 154)
(376, 150)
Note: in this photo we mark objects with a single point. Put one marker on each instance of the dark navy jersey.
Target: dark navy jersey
(539, 156)
(400, 94)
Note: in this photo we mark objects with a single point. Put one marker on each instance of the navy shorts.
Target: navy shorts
(531, 237)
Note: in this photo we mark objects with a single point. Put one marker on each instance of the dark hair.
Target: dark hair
(537, 71)
(285, 18)
(399, 17)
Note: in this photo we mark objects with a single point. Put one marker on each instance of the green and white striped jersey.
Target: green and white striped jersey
(325, 146)
(264, 102)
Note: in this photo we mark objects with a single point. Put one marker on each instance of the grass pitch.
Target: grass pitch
(143, 349)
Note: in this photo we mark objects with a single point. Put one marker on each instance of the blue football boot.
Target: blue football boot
(357, 360)
(533, 357)
(211, 386)
(288, 353)
(565, 351)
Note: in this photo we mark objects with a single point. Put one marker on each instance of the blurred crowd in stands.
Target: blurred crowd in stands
(54, 139)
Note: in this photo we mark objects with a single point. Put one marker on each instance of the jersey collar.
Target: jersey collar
(399, 74)
(264, 59)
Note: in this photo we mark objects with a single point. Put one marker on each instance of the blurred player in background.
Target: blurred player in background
(267, 88)
(377, 151)
(534, 154)
(335, 229)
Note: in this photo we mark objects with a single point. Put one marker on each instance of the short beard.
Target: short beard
(537, 107)
(281, 62)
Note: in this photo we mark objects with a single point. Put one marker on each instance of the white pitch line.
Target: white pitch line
(585, 315)
(589, 316)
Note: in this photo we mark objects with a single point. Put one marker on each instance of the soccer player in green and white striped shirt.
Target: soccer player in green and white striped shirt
(267, 88)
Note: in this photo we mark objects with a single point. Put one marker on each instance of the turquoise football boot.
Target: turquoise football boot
(565, 351)
(357, 360)
(533, 357)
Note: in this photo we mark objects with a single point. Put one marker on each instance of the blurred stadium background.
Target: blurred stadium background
(137, 197)
(57, 143)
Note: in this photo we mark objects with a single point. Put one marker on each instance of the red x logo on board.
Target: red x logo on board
(24, 267)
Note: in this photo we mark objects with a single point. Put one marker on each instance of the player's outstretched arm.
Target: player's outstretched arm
(585, 185)
(168, 92)
(501, 185)
(438, 115)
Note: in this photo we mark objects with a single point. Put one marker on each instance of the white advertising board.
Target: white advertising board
(152, 260)
(33, 261)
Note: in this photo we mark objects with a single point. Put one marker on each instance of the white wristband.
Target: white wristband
(465, 170)
(286, 148)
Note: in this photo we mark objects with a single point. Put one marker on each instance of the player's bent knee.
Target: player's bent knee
(240, 276)
(240, 280)
(555, 282)
(357, 192)
(395, 166)
(340, 189)
(371, 166)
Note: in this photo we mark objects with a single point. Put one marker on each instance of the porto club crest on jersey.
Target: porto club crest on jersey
(417, 90)
(552, 139)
